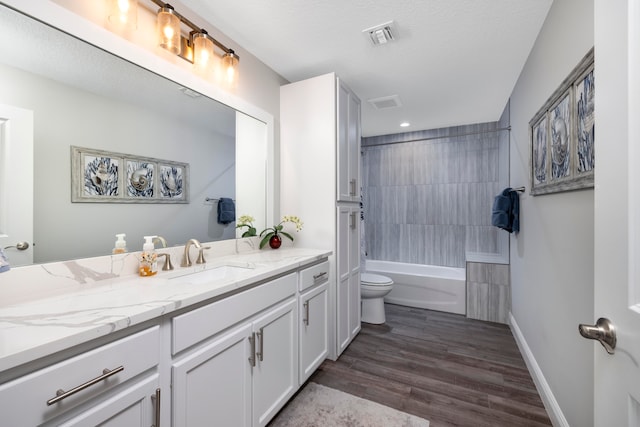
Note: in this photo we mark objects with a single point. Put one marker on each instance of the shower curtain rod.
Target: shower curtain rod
(436, 137)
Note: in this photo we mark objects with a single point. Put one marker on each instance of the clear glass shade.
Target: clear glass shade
(203, 54)
(124, 13)
(168, 25)
(230, 68)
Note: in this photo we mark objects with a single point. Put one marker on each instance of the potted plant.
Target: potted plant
(272, 235)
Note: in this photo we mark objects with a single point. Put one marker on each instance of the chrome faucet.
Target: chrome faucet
(160, 239)
(186, 259)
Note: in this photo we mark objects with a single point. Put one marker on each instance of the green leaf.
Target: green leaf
(287, 235)
(279, 227)
(266, 238)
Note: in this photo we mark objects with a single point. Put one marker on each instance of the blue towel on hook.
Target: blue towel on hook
(506, 211)
(226, 211)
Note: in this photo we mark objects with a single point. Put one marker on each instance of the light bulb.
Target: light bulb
(124, 13)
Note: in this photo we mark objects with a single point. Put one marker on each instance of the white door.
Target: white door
(16, 184)
(617, 203)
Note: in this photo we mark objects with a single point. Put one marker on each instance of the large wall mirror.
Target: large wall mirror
(83, 96)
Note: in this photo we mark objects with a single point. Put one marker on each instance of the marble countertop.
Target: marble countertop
(38, 327)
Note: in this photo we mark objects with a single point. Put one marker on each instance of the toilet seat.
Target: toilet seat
(370, 279)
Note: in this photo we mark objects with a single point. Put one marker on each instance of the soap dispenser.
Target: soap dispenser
(148, 258)
(121, 245)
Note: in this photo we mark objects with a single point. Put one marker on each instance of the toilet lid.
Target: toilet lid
(375, 279)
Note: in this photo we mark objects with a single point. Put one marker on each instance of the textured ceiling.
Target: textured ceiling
(454, 62)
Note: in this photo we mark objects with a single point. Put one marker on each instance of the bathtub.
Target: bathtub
(423, 286)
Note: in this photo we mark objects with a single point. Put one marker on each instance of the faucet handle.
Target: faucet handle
(167, 262)
(201, 259)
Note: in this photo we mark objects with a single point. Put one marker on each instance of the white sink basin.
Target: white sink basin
(211, 275)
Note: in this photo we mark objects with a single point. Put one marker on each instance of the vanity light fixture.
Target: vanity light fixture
(124, 13)
(198, 47)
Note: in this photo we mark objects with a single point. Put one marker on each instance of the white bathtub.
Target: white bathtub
(423, 286)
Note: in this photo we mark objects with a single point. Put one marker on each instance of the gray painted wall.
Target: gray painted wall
(428, 194)
(552, 258)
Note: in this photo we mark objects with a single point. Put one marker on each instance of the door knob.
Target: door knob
(21, 246)
(603, 331)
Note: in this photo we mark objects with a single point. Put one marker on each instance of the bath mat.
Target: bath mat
(319, 406)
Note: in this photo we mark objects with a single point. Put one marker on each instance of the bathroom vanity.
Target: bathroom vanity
(227, 342)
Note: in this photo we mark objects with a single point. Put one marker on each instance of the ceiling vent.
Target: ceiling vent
(385, 102)
(381, 34)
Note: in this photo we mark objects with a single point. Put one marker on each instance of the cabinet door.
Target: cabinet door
(275, 376)
(342, 140)
(354, 272)
(343, 274)
(348, 144)
(212, 386)
(134, 406)
(354, 147)
(314, 329)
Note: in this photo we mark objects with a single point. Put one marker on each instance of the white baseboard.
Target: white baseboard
(548, 399)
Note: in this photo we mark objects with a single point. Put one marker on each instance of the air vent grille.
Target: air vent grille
(381, 34)
(385, 102)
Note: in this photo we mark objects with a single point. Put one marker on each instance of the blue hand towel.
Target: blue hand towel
(226, 211)
(506, 211)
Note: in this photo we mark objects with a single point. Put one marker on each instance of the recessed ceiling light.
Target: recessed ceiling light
(405, 124)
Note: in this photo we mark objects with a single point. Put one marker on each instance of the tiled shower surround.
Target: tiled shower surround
(428, 195)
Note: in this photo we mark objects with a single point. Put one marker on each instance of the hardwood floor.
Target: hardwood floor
(446, 368)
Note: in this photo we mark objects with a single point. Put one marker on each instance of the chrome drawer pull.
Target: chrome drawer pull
(252, 358)
(353, 220)
(319, 275)
(61, 394)
(157, 414)
(305, 320)
(353, 187)
(260, 336)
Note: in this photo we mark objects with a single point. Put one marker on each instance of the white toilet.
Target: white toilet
(373, 288)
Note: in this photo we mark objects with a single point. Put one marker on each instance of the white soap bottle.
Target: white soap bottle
(148, 258)
(121, 245)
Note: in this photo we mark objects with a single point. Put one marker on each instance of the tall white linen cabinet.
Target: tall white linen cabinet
(320, 183)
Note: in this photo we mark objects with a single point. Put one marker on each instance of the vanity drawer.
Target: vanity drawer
(23, 401)
(199, 324)
(314, 275)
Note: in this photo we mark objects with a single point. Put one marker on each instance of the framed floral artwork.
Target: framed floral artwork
(562, 134)
(99, 176)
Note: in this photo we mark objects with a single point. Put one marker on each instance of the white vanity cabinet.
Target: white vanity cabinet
(313, 325)
(319, 170)
(113, 384)
(246, 370)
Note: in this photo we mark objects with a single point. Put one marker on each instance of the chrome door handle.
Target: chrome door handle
(603, 331)
(305, 319)
(156, 397)
(252, 341)
(260, 352)
(21, 246)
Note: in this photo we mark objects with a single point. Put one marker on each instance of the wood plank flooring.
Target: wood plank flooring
(446, 368)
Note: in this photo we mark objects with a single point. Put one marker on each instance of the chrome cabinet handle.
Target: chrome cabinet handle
(353, 220)
(319, 276)
(305, 320)
(252, 358)
(157, 413)
(61, 394)
(260, 336)
(353, 187)
(603, 331)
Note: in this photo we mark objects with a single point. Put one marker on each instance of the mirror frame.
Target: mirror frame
(179, 71)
